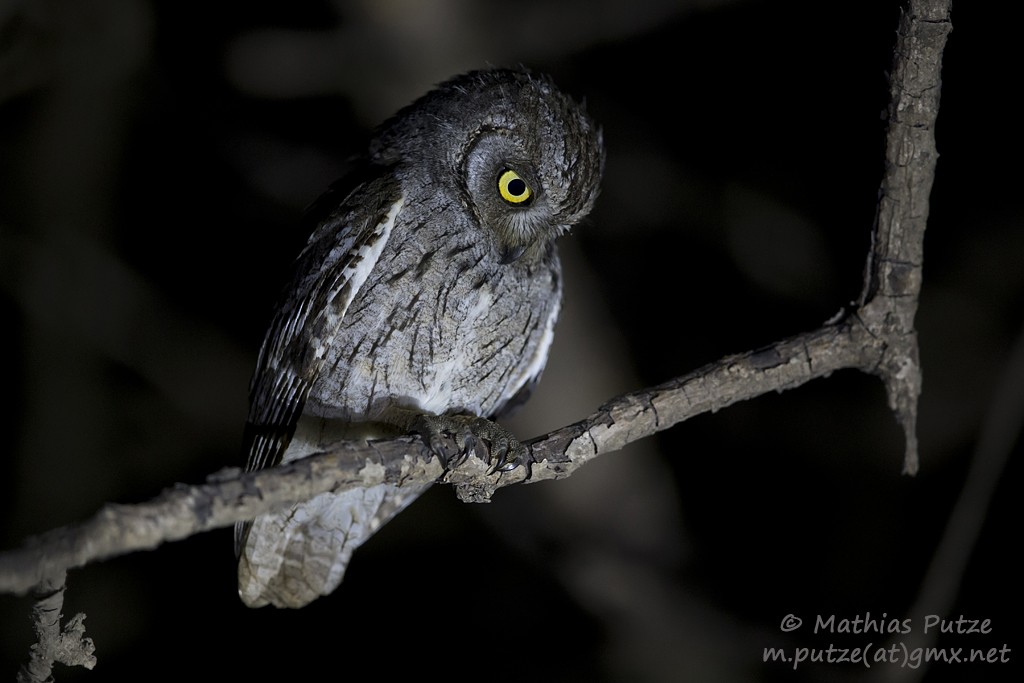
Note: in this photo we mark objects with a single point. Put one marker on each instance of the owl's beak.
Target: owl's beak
(510, 254)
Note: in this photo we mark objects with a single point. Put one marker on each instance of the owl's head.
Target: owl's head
(524, 159)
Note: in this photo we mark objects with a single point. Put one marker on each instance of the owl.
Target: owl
(424, 301)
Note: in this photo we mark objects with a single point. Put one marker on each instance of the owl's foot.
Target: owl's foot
(506, 453)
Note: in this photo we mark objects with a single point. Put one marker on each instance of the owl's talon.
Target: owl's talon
(469, 444)
(515, 456)
(506, 453)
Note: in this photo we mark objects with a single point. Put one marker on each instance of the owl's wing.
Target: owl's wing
(340, 254)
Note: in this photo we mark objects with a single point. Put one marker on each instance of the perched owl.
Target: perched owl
(424, 300)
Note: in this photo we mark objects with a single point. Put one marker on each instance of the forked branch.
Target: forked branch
(876, 335)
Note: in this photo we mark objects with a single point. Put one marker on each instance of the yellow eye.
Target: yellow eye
(513, 188)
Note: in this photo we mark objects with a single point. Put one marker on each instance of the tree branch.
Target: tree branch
(892, 280)
(68, 646)
(877, 337)
(230, 496)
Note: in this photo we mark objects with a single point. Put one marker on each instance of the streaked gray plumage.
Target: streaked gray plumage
(429, 287)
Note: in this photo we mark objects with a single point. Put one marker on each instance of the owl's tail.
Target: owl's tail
(293, 557)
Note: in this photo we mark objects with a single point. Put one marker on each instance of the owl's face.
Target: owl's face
(524, 159)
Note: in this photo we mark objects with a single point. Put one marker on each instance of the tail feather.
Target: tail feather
(293, 557)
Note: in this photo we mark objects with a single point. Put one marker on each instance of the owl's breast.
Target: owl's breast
(439, 327)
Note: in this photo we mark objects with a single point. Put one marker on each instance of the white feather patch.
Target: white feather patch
(540, 355)
(356, 274)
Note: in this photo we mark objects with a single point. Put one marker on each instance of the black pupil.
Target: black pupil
(516, 187)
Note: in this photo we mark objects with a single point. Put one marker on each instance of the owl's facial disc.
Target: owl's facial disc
(524, 159)
(507, 195)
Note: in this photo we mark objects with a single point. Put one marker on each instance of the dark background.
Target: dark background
(155, 158)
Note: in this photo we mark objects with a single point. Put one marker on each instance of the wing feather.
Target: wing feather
(340, 254)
